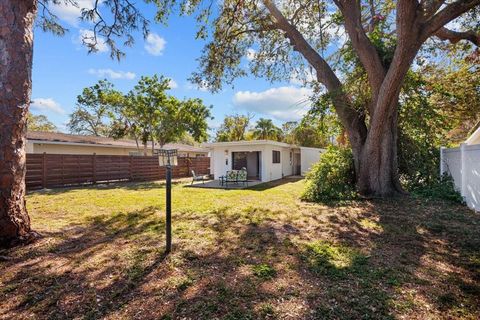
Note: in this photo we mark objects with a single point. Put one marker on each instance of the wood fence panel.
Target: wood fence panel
(61, 170)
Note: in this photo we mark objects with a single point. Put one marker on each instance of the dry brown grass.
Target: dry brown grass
(244, 254)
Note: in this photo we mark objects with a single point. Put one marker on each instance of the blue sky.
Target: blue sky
(62, 68)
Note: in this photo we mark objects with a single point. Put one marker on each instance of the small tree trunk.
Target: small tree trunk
(16, 51)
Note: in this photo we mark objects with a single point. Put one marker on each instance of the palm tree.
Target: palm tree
(266, 130)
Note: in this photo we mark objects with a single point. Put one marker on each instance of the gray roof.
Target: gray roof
(46, 137)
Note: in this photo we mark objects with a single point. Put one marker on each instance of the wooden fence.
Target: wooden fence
(60, 170)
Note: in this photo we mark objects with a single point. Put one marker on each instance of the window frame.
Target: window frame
(276, 156)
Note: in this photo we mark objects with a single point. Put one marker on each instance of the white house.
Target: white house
(463, 164)
(264, 160)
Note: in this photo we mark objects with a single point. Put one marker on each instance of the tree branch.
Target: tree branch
(447, 14)
(456, 36)
(366, 51)
(353, 120)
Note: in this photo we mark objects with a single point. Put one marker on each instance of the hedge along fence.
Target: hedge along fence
(61, 170)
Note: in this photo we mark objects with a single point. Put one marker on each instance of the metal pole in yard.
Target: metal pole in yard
(168, 220)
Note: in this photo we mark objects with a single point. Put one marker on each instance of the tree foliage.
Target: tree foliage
(110, 22)
(233, 128)
(40, 123)
(333, 178)
(146, 113)
(91, 113)
(265, 130)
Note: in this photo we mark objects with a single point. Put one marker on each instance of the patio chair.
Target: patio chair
(198, 178)
(242, 176)
(231, 176)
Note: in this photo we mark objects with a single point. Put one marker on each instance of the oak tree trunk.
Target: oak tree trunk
(377, 169)
(16, 51)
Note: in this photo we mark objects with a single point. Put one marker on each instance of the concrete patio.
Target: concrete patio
(215, 184)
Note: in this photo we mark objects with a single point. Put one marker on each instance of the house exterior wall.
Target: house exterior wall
(463, 164)
(59, 148)
(268, 170)
(308, 157)
(277, 170)
(219, 156)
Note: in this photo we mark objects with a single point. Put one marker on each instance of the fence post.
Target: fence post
(44, 170)
(462, 168)
(94, 162)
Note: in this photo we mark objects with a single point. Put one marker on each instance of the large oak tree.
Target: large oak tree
(282, 37)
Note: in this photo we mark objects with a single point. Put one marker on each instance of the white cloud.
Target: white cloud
(112, 74)
(70, 13)
(155, 44)
(283, 103)
(173, 84)
(86, 37)
(251, 54)
(46, 105)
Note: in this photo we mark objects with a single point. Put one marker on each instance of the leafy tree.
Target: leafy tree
(91, 114)
(439, 104)
(40, 123)
(288, 132)
(318, 129)
(233, 128)
(289, 37)
(162, 118)
(453, 90)
(266, 130)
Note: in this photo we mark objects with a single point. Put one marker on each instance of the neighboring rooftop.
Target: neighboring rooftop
(64, 138)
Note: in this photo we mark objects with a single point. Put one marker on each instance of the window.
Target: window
(276, 156)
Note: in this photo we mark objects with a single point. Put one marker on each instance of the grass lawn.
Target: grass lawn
(241, 254)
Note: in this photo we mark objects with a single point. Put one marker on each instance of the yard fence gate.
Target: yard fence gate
(463, 164)
(60, 170)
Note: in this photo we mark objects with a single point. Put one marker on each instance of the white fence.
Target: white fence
(463, 164)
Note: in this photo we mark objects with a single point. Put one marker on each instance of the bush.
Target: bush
(441, 189)
(332, 178)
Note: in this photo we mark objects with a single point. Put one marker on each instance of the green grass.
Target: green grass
(264, 271)
(241, 254)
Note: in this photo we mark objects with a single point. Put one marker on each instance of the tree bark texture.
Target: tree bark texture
(16, 51)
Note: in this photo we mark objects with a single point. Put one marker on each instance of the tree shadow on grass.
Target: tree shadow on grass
(367, 260)
(134, 186)
(86, 269)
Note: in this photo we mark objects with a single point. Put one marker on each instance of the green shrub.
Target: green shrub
(332, 178)
(440, 189)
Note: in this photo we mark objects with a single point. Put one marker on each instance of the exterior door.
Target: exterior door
(239, 160)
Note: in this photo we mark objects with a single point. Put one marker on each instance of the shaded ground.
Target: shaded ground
(241, 254)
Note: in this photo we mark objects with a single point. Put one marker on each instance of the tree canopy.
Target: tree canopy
(146, 113)
(234, 128)
(40, 123)
(265, 130)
